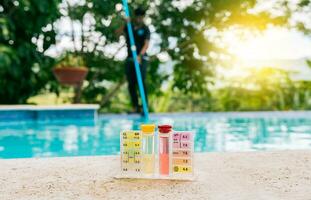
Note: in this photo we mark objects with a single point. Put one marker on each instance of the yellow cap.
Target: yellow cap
(147, 128)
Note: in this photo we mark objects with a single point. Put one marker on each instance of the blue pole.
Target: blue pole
(137, 69)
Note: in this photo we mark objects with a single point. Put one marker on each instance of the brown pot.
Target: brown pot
(71, 76)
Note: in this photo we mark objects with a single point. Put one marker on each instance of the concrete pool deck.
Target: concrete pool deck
(228, 176)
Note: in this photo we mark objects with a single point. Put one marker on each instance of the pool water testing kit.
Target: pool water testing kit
(162, 154)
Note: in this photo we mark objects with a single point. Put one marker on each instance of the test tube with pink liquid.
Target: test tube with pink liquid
(164, 151)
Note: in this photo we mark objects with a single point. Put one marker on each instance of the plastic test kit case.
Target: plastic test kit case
(165, 154)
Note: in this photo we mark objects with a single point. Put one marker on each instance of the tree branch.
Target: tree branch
(82, 35)
(113, 92)
(73, 36)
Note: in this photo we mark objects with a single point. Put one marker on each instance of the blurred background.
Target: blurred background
(205, 55)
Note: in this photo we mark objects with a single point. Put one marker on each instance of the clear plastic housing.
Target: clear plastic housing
(148, 153)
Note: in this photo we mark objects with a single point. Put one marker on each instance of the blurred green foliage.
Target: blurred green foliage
(193, 69)
(24, 69)
(264, 88)
(182, 30)
(70, 60)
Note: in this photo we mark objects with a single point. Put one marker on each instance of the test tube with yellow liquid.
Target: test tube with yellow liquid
(148, 148)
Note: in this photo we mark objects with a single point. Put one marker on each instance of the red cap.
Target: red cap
(165, 128)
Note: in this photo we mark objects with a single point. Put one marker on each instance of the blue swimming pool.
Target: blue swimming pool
(214, 132)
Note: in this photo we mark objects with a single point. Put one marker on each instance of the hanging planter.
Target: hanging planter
(71, 71)
(70, 76)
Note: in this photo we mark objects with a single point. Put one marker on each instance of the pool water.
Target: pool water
(213, 133)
